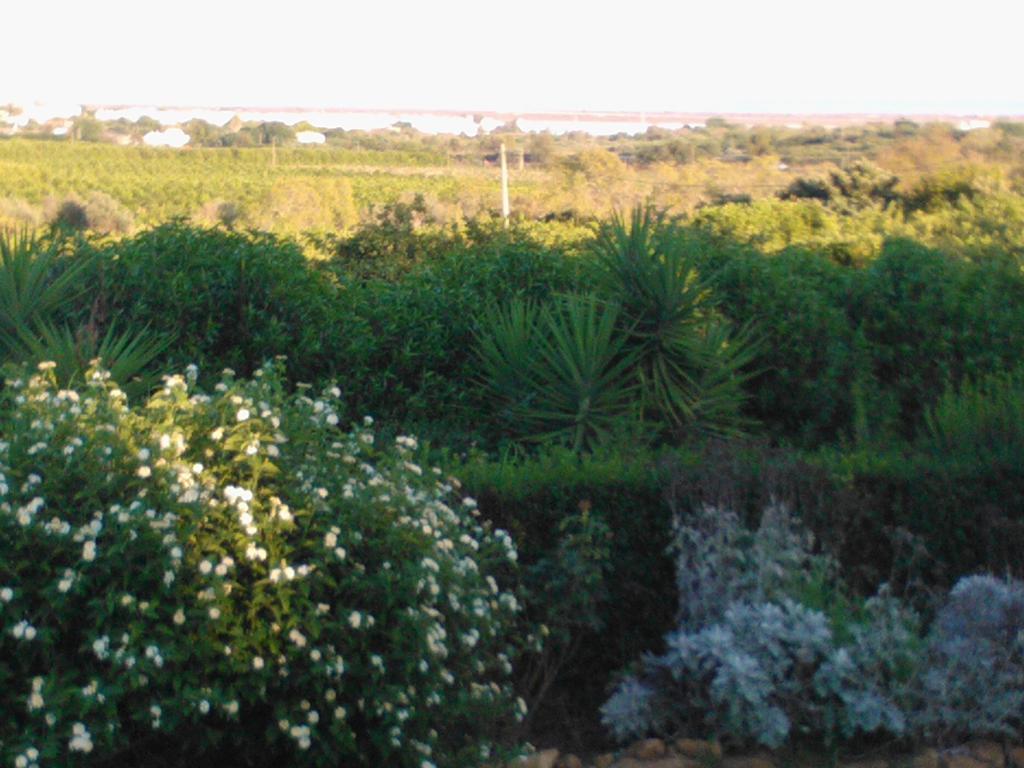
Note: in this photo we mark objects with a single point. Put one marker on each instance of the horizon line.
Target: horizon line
(593, 114)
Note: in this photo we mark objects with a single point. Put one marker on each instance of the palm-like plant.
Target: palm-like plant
(690, 368)
(125, 355)
(559, 373)
(37, 285)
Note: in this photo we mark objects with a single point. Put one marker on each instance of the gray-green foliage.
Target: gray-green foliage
(719, 561)
(751, 664)
(974, 682)
(868, 684)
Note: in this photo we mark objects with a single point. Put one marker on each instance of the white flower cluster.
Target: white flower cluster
(81, 739)
(266, 547)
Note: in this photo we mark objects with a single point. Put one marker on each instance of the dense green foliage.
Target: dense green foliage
(849, 348)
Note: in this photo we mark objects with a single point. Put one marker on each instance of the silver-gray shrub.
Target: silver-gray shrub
(750, 664)
(868, 684)
(974, 681)
(719, 561)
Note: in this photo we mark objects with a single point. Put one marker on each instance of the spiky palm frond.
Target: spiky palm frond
(36, 281)
(688, 366)
(559, 373)
(125, 354)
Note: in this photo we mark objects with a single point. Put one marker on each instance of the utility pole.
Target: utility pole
(504, 185)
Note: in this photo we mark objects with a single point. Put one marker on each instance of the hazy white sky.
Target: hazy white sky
(730, 55)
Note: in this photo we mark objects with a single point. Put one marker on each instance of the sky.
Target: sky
(781, 56)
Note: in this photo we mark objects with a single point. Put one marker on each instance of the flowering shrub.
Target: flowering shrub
(232, 571)
(751, 664)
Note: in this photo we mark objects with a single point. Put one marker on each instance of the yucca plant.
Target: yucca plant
(690, 367)
(126, 355)
(36, 283)
(559, 373)
(37, 286)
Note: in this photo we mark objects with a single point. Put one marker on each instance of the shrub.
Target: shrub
(38, 288)
(720, 562)
(807, 359)
(592, 533)
(408, 341)
(37, 285)
(689, 365)
(231, 574)
(15, 212)
(231, 299)
(751, 664)
(981, 424)
(974, 683)
(99, 212)
(962, 511)
(68, 214)
(106, 215)
(645, 344)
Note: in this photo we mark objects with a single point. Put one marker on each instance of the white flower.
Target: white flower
(243, 414)
(81, 739)
(179, 617)
(204, 706)
(143, 471)
(6, 594)
(101, 647)
(355, 619)
(257, 663)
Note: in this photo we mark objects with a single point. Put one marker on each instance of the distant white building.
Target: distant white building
(170, 137)
(973, 125)
(310, 137)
